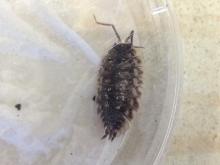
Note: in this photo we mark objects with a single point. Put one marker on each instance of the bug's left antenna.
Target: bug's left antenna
(107, 24)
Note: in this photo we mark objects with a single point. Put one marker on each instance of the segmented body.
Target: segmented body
(119, 81)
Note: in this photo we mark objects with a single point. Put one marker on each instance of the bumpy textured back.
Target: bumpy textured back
(120, 77)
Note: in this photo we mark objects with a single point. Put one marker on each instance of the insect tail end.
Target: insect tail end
(104, 136)
(111, 134)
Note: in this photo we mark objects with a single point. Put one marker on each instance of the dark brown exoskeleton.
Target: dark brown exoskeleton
(119, 80)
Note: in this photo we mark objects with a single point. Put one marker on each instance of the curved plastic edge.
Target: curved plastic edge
(178, 87)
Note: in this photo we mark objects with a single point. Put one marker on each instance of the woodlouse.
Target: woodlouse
(119, 81)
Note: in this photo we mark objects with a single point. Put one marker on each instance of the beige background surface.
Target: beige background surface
(196, 138)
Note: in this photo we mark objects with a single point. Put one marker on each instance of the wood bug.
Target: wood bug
(119, 81)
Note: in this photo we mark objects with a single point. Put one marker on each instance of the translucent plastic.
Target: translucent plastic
(50, 53)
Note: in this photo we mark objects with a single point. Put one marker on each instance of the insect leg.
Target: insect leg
(94, 98)
(107, 24)
(128, 121)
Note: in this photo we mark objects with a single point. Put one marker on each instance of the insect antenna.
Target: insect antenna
(141, 47)
(130, 37)
(107, 24)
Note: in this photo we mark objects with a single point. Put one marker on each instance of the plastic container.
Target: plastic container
(50, 53)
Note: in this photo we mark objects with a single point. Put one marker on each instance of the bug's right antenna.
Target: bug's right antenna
(130, 37)
(141, 47)
(107, 24)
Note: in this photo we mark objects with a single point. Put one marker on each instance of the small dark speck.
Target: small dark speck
(71, 153)
(93, 98)
(18, 107)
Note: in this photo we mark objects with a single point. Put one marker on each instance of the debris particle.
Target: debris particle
(18, 107)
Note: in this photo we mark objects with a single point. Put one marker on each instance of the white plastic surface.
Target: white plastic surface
(50, 53)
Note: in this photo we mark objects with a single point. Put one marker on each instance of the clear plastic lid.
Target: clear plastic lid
(51, 52)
